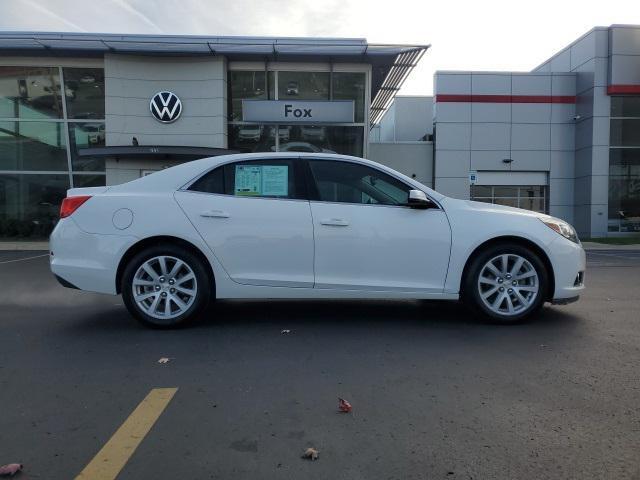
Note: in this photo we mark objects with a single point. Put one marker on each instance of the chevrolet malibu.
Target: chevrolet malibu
(306, 225)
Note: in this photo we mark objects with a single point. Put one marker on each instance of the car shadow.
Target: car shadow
(352, 315)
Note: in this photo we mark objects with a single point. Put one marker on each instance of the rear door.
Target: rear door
(367, 238)
(255, 218)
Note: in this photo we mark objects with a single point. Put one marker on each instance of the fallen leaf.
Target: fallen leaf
(10, 469)
(344, 406)
(311, 454)
(164, 360)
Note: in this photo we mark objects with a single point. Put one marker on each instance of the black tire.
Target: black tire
(471, 294)
(202, 282)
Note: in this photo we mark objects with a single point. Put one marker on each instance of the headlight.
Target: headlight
(563, 228)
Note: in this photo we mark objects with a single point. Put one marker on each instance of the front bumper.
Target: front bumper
(569, 263)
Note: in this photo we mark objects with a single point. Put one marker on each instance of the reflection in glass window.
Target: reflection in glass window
(84, 92)
(81, 181)
(353, 183)
(252, 138)
(29, 204)
(30, 93)
(530, 197)
(32, 146)
(345, 140)
(303, 85)
(625, 106)
(625, 132)
(350, 86)
(245, 85)
(624, 190)
(84, 135)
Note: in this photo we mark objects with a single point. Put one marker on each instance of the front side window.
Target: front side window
(261, 178)
(346, 182)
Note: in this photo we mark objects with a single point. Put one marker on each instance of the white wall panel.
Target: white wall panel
(490, 83)
(530, 136)
(531, 112)
(490, 136)
(453, 136)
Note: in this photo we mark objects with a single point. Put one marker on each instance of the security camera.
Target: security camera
(577, 117)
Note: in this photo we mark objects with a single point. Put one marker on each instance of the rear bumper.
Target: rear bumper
(86, 261)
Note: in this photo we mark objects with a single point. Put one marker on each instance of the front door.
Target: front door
(366, 238)
(254, 217)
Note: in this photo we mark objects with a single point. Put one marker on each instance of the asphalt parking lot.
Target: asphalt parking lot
(434, 393)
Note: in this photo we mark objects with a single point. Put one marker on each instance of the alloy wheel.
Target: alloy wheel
(508, 284)
(164, 287)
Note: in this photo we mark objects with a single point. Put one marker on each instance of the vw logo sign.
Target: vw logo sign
(166, 107)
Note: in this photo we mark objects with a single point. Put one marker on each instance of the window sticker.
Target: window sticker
(275, 180)
(259, 180)
(248, 180)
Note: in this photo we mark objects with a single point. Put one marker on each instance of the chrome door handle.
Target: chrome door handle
(335, 222)
(215, 214)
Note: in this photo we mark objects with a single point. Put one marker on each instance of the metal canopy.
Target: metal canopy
(152, 151)
(390, 64)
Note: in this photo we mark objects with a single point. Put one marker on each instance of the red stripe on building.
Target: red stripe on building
(505, 98)
(623, 89)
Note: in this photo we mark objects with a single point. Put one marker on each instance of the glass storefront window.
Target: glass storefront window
(625, 107)
(84, 92)
(624, 165)
(81, 181)
(625, 132)
(624, 190)
(303, 85)
(33, 146)
(29, 204)
(252, 138)
(30, 93)
(350, 86)
(346, 140)
(245, 85)
(84, 135)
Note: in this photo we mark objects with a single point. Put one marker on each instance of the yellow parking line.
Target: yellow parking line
(108, 462)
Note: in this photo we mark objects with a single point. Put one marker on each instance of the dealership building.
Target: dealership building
(100, 109)
(81, 110)
(562, 139)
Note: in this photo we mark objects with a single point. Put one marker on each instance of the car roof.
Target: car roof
(176, 177)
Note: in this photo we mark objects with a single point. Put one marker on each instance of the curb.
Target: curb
(24, 246)
(603, 246)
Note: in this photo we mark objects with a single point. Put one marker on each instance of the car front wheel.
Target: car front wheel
(506, 283)
(165, 286)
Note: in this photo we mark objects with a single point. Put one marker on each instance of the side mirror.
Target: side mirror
(418, 199)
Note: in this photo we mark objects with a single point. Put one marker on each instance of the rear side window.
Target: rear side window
(212, 182)
(258, 178)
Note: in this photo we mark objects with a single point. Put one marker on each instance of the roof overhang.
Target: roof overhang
(153, 151)
(390, 64)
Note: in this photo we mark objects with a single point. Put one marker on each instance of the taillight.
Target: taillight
(71, 204)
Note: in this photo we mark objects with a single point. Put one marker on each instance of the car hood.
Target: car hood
(492, 207)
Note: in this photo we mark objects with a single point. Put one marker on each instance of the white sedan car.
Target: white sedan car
(296, 225)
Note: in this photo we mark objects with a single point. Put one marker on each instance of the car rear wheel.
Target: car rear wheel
(165, 286)
(506, 283)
